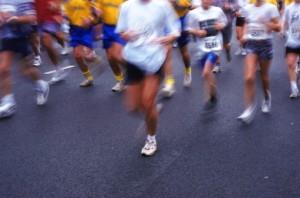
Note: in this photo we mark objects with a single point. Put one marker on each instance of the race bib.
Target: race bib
(211, 44)
(257, 32)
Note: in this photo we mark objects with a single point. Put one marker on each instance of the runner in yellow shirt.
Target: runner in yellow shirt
(182, 7)
(112, 42)
(274, 2)
(80, 15)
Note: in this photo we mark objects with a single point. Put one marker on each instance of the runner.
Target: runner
(35, 44)
(182, 7)
(50, 19)
(81, 17)
(292, 26)
(144, 23)
(205, 25)
(261, 20)
(16, 18)
(240, 22)
(112, 42)
(229, 7)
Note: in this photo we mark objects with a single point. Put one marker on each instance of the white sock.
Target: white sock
(294, 86)
(9, 99)
(151, 138)
(39, 83)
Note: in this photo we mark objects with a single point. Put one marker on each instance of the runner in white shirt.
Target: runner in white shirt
(143, 23)
(16, 19)
(205, 24)
(292, 25)
(261, 20)
(240, 22)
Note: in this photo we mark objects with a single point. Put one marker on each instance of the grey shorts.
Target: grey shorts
(263, 49)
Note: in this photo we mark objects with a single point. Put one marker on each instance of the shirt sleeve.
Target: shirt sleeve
(274, 13)
(191, 22)
(285, 18)
(122, 20)
(222, 17)
(172, 23)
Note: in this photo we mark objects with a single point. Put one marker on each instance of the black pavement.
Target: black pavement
(83, 143)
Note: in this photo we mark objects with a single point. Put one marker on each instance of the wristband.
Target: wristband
(211, 31)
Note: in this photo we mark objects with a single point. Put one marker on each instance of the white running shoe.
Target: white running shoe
(294, 95)
(118, 87)
(58, 76)
(37, 61)
(243, 52)
(298, 67)
(168, 90)
(7, 109)
(65, 51)
(150, 148)
(238, 52)
(248, 115)
(267, 104)
(187, 81)
(42, 92)
(217, 69)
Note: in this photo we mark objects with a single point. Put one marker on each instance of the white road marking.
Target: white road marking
(64, 68)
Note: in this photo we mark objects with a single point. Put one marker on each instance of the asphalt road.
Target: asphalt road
(83, 143)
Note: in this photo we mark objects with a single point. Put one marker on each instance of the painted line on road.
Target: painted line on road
(64, 68)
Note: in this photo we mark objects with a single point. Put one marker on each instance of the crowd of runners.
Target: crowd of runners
(138, 37)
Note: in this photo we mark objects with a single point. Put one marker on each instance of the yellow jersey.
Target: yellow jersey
(288, 2)
(110, 10)
(274, 2)
(78, 10)
(182, 7)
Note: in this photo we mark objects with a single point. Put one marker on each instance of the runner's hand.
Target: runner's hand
(199, 33)
(12, 20)
(87, 23)
(219, 26)
(166, 40)
(130, 35)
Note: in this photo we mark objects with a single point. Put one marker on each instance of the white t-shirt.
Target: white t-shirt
(196, 3)
(200, 18)
(150, 20)
(292, 19)
(256, 17)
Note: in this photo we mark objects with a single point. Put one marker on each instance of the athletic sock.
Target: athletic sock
(119, 78)
(170, 80)
(151, 138)
(188, 70)
(294, 86)
(88, 75)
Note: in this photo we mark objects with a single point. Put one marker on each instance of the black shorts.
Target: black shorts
(34, 29)
(227, 33)
(292, 50)
(240, 21)
(17, 45)
(135, 75)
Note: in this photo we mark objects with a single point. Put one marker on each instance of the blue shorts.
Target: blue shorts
(211, 57)
(263, 49)
(81, 36)
(110, 36)
(183, 39)
(50, 28)
(17, 45)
